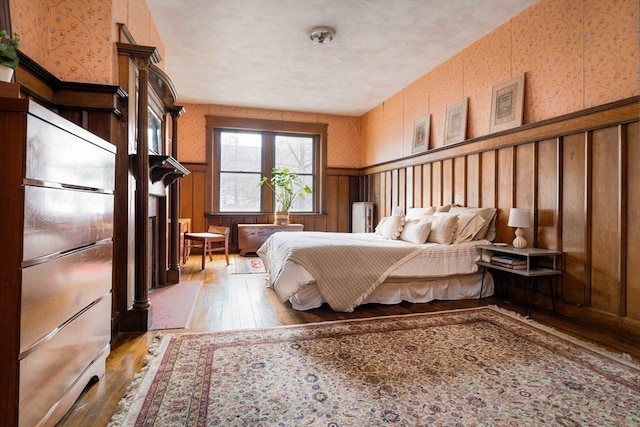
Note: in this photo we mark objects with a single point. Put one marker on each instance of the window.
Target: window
(296, 153)
(242, 153)
(240, 171)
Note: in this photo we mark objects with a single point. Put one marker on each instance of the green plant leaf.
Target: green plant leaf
(286, 186)
(8, 52)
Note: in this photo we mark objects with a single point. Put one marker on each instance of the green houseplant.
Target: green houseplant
(8, 55)
(286, 186)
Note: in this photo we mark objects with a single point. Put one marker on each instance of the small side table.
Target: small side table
(530, 262)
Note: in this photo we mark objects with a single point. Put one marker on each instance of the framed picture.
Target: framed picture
(455, 123)
(507, 104)
(421, 134)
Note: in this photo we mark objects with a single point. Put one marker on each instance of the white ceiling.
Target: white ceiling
(257, 53)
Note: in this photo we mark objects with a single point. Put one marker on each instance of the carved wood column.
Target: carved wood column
(141, 292)
(139, 60)
(173, 274)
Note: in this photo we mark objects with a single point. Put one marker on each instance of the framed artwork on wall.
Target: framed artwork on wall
(507, 104)
(455, 122)
(421, 134)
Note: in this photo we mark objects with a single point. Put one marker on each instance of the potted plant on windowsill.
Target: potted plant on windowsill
(8, 55)
(287, 186)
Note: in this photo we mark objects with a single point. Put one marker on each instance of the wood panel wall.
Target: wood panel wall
(579, 174)
(342, 189)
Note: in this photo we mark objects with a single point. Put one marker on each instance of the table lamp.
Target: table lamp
(519, 218)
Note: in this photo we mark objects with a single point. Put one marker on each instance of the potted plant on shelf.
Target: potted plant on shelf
(287, 186)
(8, 55)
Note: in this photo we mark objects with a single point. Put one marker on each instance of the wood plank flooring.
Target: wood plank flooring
(237, 301)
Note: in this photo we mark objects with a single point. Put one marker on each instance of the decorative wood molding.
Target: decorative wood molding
(50, 91)
(163, 86)
(165, 169)
(342, 172)
(149, 53)
(125, 35)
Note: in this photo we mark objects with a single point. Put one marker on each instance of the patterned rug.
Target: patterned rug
(481, 366)
(247, 265)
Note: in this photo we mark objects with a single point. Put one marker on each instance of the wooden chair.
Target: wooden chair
(206, 241)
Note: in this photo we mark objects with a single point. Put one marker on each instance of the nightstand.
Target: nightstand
(527, 262)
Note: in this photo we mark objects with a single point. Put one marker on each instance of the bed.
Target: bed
(418, 257)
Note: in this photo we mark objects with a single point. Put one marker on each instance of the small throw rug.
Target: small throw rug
(171, 305)
(247, 265)
(482, 366)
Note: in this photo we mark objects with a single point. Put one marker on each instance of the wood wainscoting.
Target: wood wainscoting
(577, 173)
(342, 189)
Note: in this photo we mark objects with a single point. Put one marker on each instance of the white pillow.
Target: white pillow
(418, 213)
(468, 227)
(443, 228)
(391, 227)
(488, 231)
(416, 231)
(378, 229)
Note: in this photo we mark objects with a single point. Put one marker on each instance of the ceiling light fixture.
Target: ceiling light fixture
(322, 35)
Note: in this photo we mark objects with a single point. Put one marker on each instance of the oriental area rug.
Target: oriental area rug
(481, 366)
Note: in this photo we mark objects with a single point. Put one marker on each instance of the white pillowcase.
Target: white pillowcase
(418, 213)
(391, 227)
(469, 225)
(416, 231)
(443, 228)
(488, 231)
(378, 229)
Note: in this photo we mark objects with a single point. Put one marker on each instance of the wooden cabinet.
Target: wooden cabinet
(57, 201)
(252, 236)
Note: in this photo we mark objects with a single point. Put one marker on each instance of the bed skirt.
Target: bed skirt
(395, 290)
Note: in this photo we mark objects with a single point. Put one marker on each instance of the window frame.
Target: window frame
(215, 124)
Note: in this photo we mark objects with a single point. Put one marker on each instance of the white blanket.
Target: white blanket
(417, 262)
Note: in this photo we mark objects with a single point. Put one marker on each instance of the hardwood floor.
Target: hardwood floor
(236, 301)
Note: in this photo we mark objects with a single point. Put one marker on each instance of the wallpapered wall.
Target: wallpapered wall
(343, 133)
(576, 54)
(75, 39)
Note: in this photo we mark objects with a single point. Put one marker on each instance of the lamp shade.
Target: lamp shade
(519, 218)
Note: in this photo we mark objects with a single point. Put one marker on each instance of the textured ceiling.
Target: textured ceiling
(257, 53)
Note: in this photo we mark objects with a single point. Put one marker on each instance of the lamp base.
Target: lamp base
(519, 242)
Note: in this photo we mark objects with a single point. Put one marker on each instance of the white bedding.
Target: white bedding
(435, 272)
(442, 288)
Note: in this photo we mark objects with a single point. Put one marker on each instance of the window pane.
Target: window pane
(239, 192)
(295, 153)
(306, 204)
(240, 151)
